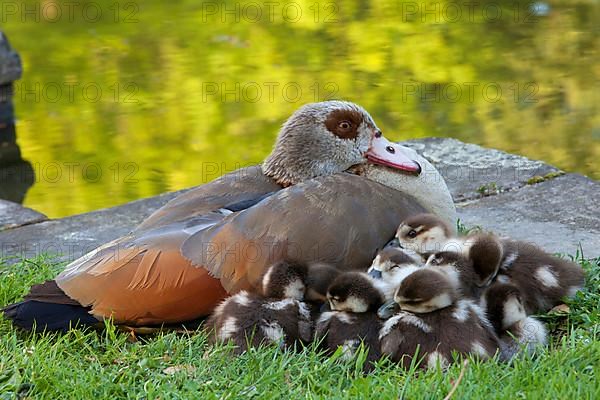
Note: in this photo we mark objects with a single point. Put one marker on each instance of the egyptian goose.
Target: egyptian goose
(277, 314)
(520, 333)
(331, 180)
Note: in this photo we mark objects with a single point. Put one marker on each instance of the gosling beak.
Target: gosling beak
(325, 307)
(375, 273)
(388, 309)
(395, 242)
(384, 152)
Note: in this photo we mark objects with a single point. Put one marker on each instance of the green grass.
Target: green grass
(464, 230)
(108, 364)
(550, 175)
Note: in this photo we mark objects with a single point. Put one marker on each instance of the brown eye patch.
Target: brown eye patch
(344, 123)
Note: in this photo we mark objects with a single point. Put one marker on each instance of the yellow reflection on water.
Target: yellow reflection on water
(152, 97)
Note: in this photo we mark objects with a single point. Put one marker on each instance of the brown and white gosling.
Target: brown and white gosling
(542, 279)
(467, 275)
(434, 314)
(353, 299)
(278, 315)
(249, 320)
(502, 303)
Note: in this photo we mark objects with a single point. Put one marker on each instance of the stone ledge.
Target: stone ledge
(13, 215)
(74, 236)
(467, 168)
(556, 214)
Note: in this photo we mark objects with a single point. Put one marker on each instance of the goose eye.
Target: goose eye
(434, 261)
(345, 125)
(412, 234)
(395, 266)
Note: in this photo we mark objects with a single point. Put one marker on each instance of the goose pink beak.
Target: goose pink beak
(384, 152)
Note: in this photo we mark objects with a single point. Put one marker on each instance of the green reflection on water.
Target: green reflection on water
(191, 90)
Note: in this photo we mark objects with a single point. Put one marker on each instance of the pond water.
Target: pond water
(124, 100)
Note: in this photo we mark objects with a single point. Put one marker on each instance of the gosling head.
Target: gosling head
(476, 268)
(422, 291)
(354, 292)
(285, 279)
(393, 264)
(425, 291)
(424, 233)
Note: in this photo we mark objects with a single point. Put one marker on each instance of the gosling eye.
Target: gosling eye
(345, 125)
(412, 234)
(395, 266)
(434, 261)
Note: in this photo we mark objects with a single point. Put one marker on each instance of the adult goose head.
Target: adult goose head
(330, 137)
(333, 190)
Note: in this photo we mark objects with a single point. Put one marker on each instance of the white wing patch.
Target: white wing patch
(344, 317)
(462, 310)
(273, 331)
(415, 321)
(546, 276)
(477, 348)
(388, 326)
(279, 305)
(434, 359)
(228, 328)
(295, 290)
(303, 310)
(325, 317)
(242, 299)
(349, 348)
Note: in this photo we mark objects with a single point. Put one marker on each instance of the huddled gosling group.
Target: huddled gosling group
(428, 296)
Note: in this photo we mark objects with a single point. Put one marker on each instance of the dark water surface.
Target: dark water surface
(124, 100)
